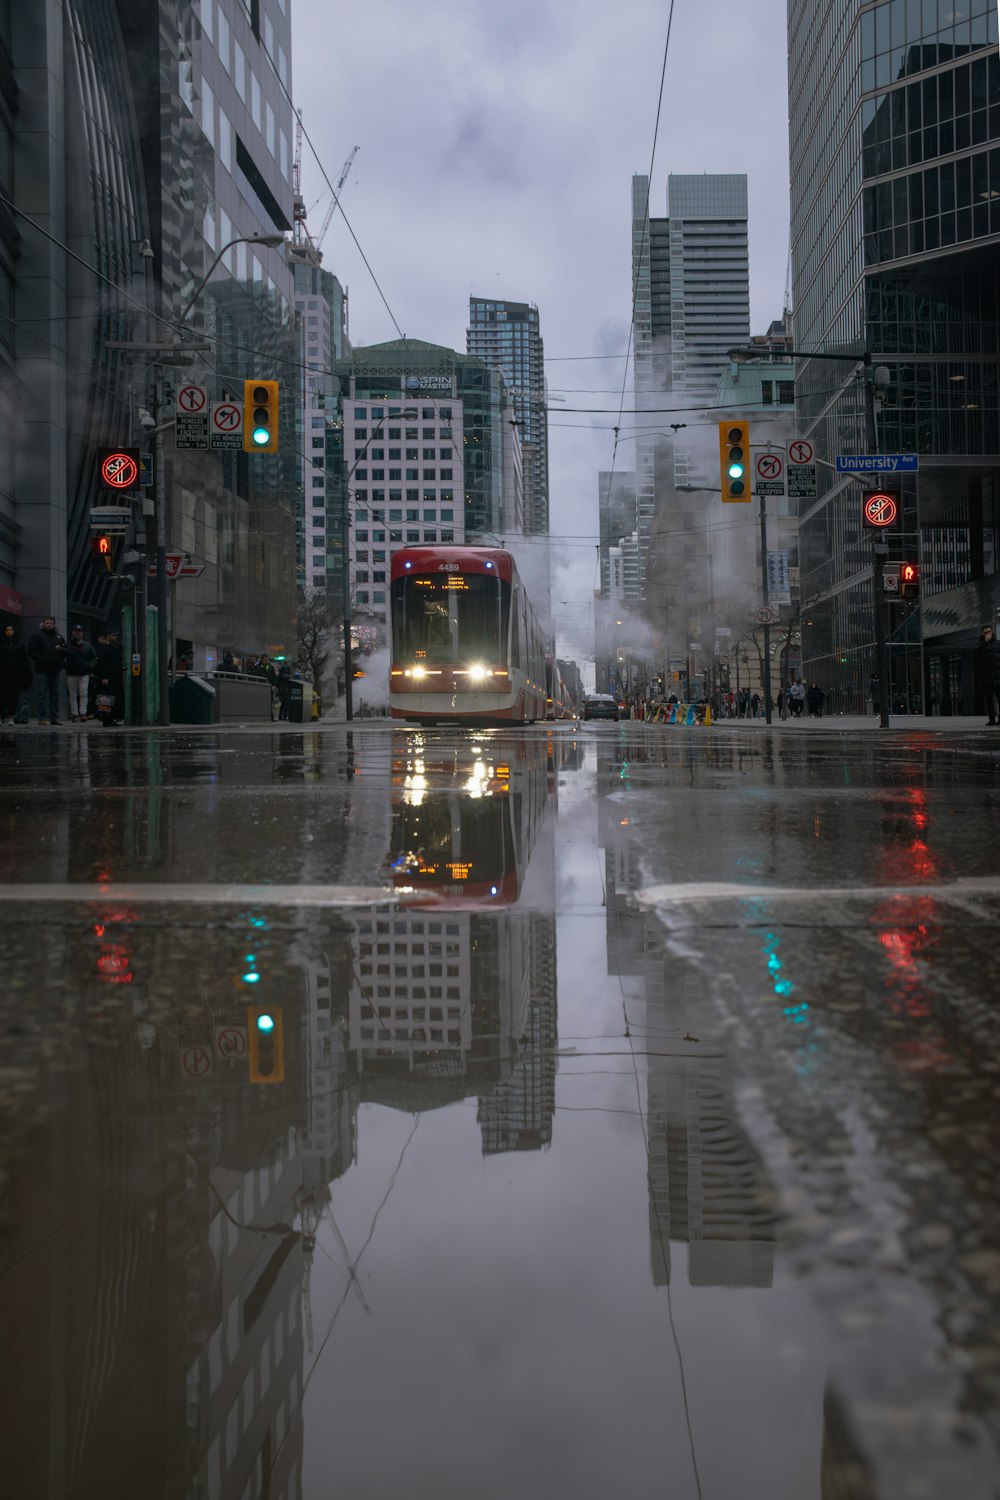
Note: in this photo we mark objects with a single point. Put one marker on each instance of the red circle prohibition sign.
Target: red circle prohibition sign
(881, 509)
(119, 471)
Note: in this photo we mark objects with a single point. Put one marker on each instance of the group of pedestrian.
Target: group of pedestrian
(738, 705)
(45, 660)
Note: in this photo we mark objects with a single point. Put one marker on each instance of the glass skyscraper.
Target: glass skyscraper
(895, 176)
(508, 337)
(159, 132)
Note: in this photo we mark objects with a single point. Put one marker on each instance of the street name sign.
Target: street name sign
(227, 425)
(191, 419)
(878, 463)
(109, 517)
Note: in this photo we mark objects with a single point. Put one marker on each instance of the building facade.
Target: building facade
(321, 308)
(156, 146)
(895, 171)
(417, 456)
(691, 291)
(507, 336)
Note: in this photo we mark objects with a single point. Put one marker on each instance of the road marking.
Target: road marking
(686, 893)
(216, 895)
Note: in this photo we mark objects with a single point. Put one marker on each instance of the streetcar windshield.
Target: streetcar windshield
(450, 617)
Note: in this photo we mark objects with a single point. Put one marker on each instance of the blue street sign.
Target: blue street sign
(145, 469)
(878, 463)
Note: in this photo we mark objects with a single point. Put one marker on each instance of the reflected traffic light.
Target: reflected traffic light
(266, 1043)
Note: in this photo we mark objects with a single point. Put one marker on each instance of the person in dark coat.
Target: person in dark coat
(284, 691)
(109, 695)
(987, 671)
(15, 677)
(814, 700)
(81, 659)
(47, 649)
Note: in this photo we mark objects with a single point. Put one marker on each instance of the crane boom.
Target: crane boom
(333, 202)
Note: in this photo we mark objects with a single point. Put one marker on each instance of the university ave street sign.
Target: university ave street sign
(878, 463)
(110, 517)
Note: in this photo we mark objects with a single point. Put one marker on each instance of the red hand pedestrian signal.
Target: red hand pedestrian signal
(909, 579)
(101, 548)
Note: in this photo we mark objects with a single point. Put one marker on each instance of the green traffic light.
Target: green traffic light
(261, 436)
(736, 471)
(265, 1022)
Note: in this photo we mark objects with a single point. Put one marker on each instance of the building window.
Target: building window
(446, 474)
(430, 473)
(767, 392)
(429, 453)
(362, 596)
(430, 536)
(786, 392)
(378, 575)
(413, 536)
(430, 515)
(413, 473)
(360, 414)
(447, 536)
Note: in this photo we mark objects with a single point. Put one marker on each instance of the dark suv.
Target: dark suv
(600, 706)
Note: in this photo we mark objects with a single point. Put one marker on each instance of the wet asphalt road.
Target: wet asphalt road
(631, 1126)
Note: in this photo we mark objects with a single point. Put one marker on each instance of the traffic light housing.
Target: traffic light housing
(266, 1043)
(260, 416)
(909, 580)
(734, 462)
(100, 546)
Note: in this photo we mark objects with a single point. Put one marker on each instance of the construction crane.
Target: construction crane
(318, 242)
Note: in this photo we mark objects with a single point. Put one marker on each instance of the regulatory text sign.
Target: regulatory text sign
(191, 420)
(801, 481)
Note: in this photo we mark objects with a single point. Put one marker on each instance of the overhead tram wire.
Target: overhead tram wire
(645, 230)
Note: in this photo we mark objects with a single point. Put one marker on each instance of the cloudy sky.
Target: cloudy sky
(497, 145)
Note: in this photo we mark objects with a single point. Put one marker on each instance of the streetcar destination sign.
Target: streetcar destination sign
(878, 463)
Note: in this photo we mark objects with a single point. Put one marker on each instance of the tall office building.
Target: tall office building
(158, 136)
(416, 456)
(321, 306)
(691, 291)
(507, 336)
(894, 117)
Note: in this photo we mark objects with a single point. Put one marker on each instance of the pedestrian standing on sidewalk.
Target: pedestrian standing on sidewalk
(15, 677)
(47, 649)
(987, 671)
(814, 700)
(284, 691)
(755, 706)
(81, 659)
(109, 699)
(875, 694)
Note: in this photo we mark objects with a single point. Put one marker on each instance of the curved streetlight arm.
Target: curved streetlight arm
(269, 241)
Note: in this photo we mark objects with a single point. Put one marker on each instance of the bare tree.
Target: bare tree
(314, 632)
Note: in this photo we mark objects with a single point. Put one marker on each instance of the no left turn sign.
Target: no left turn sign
(226, 417)
(769, 465)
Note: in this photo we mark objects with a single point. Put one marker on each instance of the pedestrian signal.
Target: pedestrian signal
(100, 546)
(734, 461)
(909, 580)
(260, 416)
(266, 1043)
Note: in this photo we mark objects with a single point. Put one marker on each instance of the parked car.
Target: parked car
(600, 706)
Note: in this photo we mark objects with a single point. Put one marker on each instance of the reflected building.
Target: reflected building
(454, 992)
(152, 1322)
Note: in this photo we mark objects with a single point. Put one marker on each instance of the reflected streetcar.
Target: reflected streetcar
(465, 819)
(467, 646)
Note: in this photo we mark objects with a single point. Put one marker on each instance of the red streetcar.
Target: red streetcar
(466, 643)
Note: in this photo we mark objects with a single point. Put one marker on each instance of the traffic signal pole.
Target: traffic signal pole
(881, 551)
(162, 587)
(766, 684)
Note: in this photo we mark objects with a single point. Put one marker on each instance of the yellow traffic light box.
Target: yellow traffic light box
(734, 462)
(266, 1043)
(260, 416)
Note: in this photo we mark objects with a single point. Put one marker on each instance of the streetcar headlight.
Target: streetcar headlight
(477, 672)
(419, 672)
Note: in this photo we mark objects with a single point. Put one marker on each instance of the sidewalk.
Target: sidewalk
(852, 723)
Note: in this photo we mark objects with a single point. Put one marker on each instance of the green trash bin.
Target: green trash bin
(192, 700)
